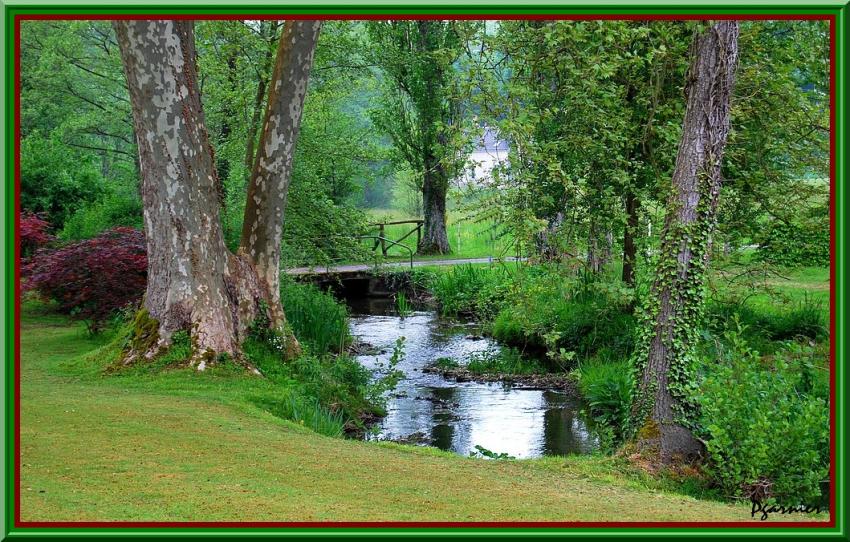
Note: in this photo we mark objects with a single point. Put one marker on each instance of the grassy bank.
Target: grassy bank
(178, 445)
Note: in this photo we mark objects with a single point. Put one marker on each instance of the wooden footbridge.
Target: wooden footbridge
(369, 277)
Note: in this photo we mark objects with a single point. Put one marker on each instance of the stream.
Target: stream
(429, 409)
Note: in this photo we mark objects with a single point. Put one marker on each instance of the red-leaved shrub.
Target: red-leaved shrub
(34, 233)
(93, 278)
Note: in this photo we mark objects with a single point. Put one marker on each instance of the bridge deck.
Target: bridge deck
(357, 268)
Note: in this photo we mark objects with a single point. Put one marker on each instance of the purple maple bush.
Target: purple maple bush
(91, 279)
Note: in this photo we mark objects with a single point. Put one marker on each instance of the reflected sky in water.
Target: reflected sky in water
(458, 416)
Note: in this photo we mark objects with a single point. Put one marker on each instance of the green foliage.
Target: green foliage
(111, 210)
(419, 107)
(777, 154)
(588, 122)
(606, 386)
(550, 311)
(803, 242)
(469, 289)
(306, 411)
(55, 179)
(376, 392)
(76, 127)
(764, 422)
(802, 320)
(446, 363)
(338, 384)
(504, 361)
(481, 451)
(316, 317)
(402, 305)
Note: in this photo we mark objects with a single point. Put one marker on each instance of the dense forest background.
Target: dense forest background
(591, 111)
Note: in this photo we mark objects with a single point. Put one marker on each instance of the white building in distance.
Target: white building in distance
(488, 153)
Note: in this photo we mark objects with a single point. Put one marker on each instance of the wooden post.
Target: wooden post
(418, 233)
(383, 240)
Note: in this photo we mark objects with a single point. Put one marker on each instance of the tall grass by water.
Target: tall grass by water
(317, 318)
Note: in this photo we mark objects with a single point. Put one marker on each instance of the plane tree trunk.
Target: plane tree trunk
(195, 284)
(665, 347)
(262, 227)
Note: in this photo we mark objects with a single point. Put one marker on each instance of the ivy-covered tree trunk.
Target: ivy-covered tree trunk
(194, 283)
(663, 358)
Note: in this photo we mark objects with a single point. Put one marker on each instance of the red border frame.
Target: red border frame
(832, 18)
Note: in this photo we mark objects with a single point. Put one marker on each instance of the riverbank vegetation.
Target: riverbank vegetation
(660, 186)
(768, 341)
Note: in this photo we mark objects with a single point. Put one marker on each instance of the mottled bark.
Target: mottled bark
(262, 228)
(691, 215)
(268, 29)
(194, 283)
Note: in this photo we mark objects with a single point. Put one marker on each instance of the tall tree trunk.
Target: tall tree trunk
(435, 181)
(629, 233)
(434, 239)
(262, 228)
(262, 82)
(194, 283)
(594, 256)
(666, 345)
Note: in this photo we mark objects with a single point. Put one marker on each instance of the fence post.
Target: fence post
(383, 241)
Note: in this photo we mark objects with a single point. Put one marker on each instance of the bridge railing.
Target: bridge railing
(381, 239)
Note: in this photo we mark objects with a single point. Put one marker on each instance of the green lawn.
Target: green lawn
(178, 445)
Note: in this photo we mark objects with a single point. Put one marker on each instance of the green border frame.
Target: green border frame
(495, 8)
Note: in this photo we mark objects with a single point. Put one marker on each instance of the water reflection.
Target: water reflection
(458, 416)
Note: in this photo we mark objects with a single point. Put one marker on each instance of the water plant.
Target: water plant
(481, 451)
(403, 305)
(503, 361)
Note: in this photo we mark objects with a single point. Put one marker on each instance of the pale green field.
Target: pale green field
(467, 238)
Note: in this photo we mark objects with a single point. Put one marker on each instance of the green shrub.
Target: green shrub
(804, 319)
(317, 318)
(337, 382)
(800, 243)
(446, 363)
(472, 290)
(763, 422)
(503, 361)
(606, 387)
(57, 179)
(112, 210)
(548, 311)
